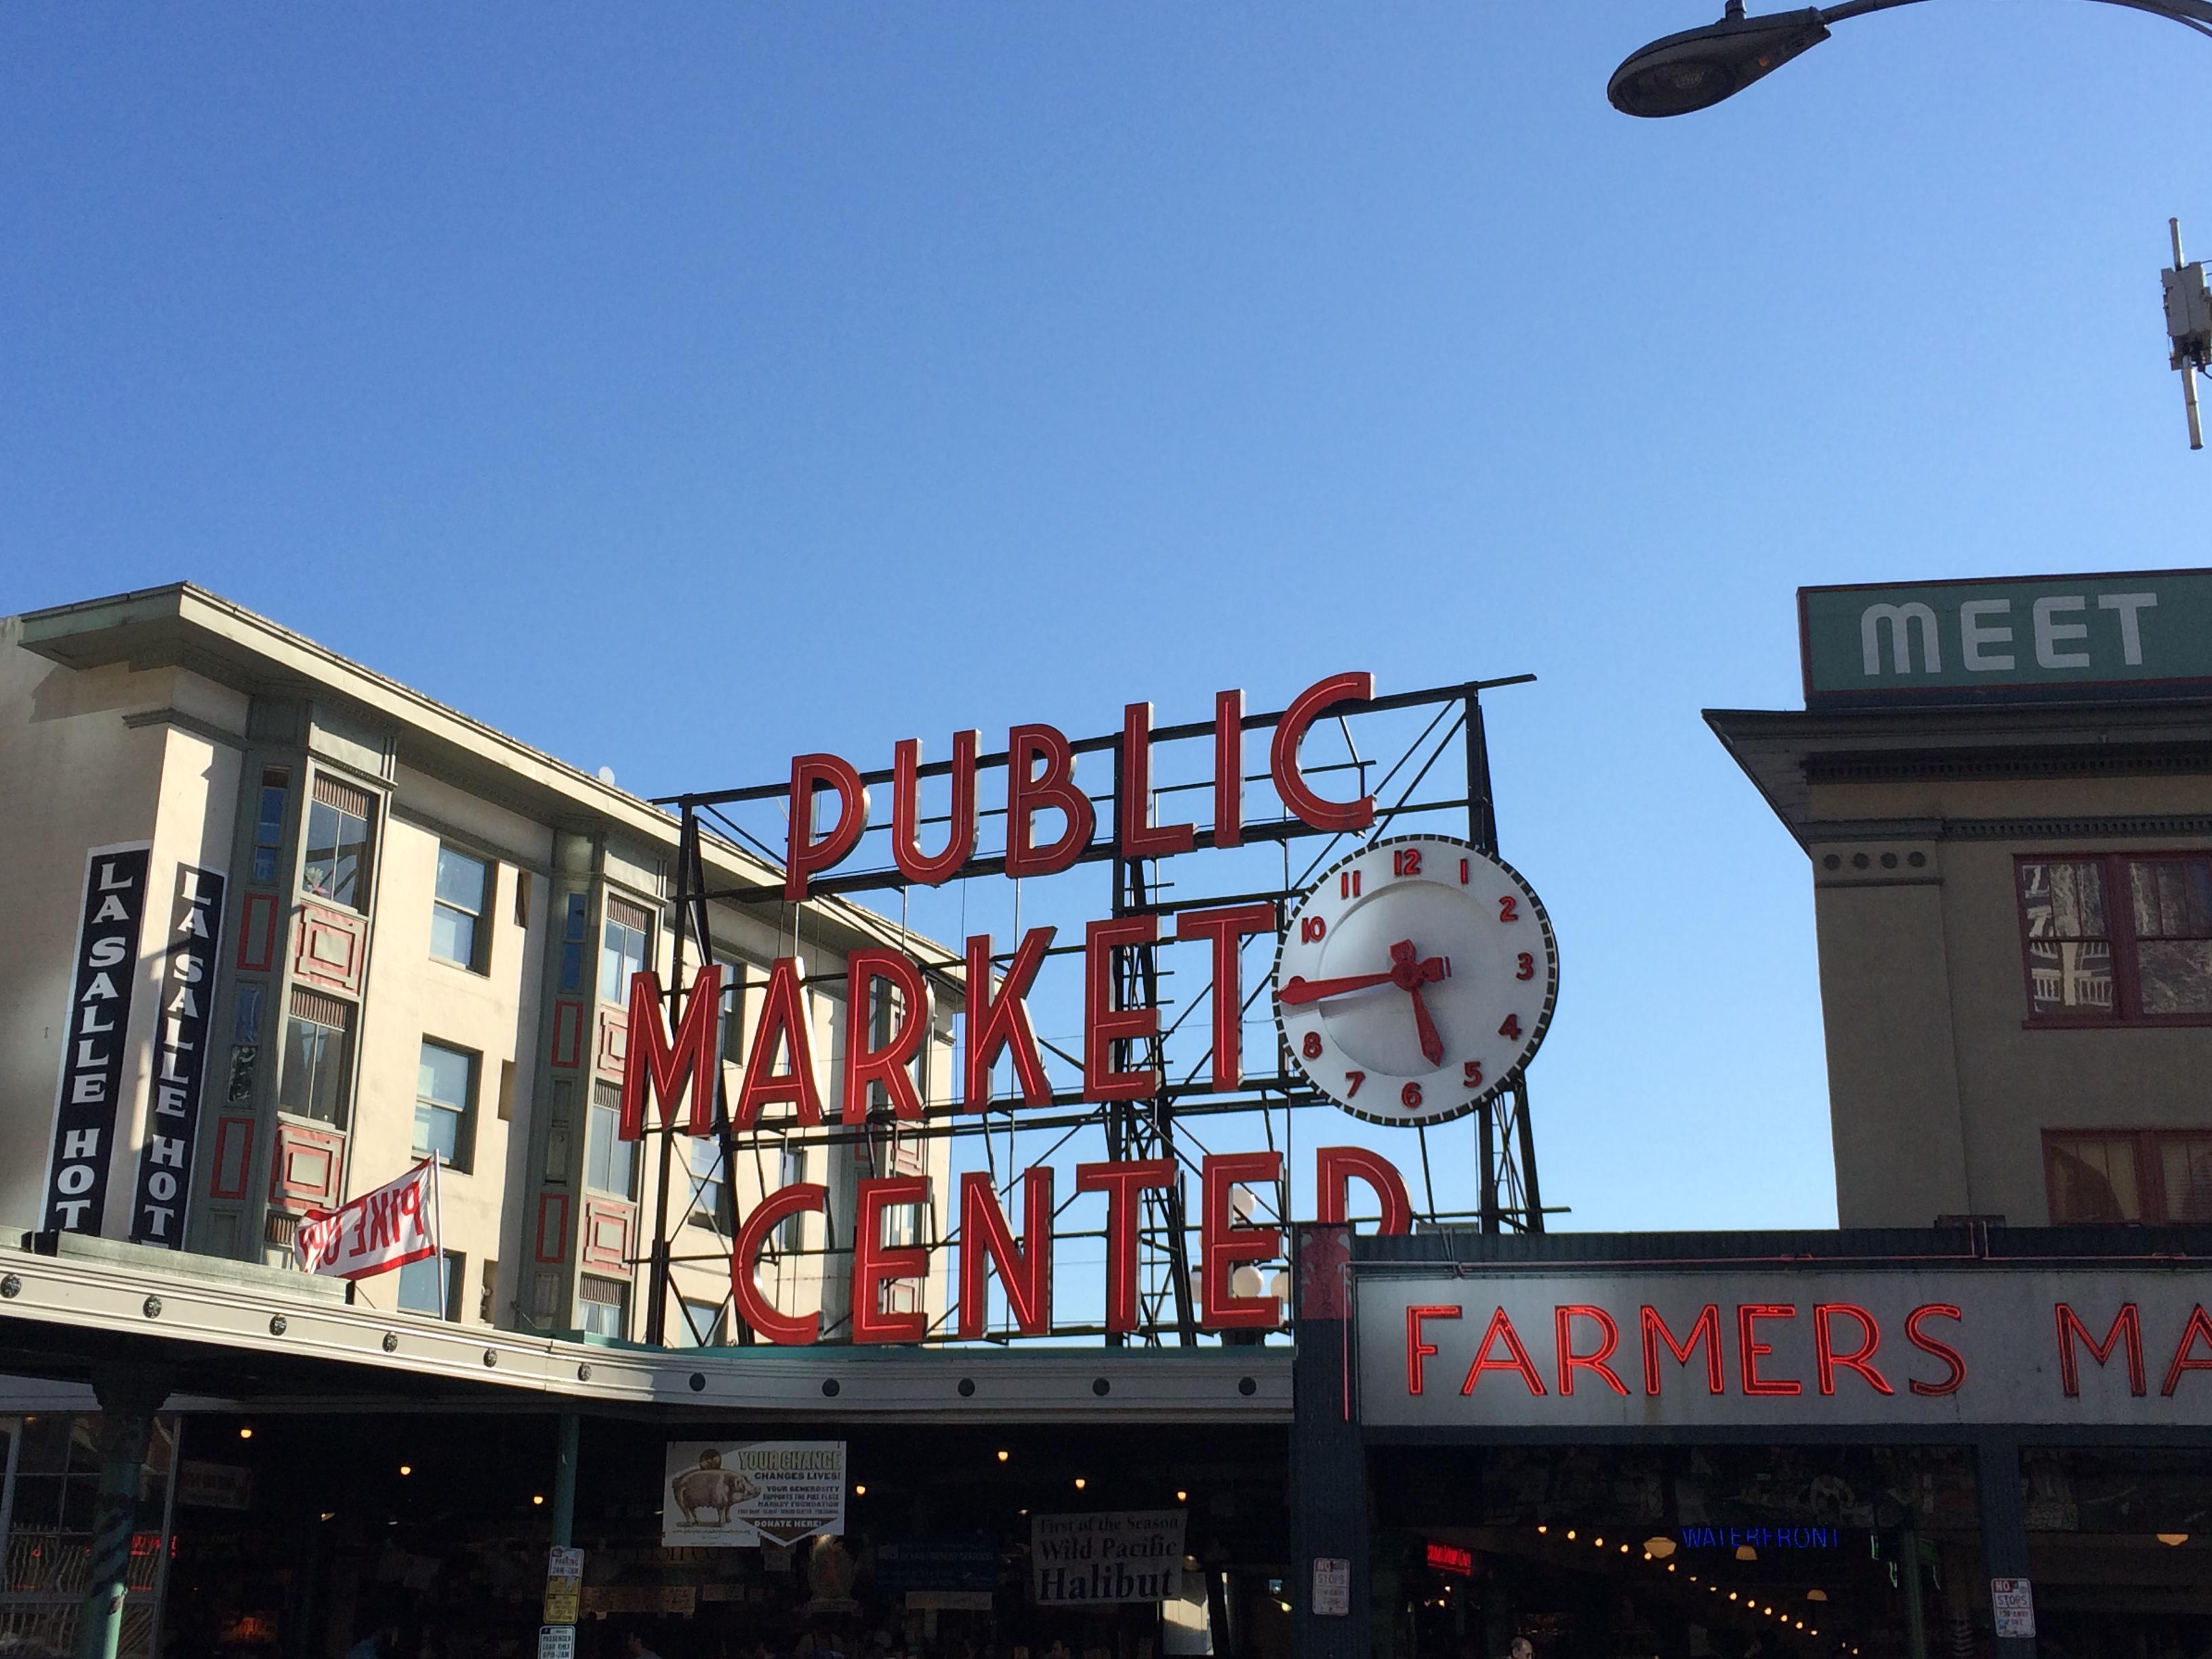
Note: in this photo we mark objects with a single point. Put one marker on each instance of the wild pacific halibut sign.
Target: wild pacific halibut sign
(2022, 638)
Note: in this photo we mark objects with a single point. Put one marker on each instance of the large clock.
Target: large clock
(1415, 979)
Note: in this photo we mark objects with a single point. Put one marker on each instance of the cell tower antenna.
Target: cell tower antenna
(2189, 327)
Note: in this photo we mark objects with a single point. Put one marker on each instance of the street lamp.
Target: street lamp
(1698, 68)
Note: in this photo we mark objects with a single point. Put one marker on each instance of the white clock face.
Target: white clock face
(1415, 980)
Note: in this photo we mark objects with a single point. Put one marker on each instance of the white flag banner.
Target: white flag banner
(388, 1228)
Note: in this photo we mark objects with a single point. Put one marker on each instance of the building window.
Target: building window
(269, 822)
(315, 1031)
(572, 945)
(624, 948)
(445, 1104)
(2128, 1175)
(697, 1325)
(791, 1231)
(733, 1010)
(246, 1019)
(2117, 939)
(424, 1289)
(710, 1186)
(610, 1162)
(337, 865)
(603, 1304)
(456, 909)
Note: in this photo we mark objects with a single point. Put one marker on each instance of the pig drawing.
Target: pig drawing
(719, 1490)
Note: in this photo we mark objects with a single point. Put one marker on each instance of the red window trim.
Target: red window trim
(2127, 988)
(2150, 1172)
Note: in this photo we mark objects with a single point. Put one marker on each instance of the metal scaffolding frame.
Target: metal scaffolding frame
(1134, 1129)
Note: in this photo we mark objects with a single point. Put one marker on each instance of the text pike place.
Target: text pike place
(1412, 981)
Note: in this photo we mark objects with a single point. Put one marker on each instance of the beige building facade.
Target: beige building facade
(421, 934)
(2012, 890)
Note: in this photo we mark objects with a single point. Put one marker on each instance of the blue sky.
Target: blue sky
(899, 369)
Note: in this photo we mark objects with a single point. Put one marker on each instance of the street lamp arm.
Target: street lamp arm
(2198, 13)
(1698, 68)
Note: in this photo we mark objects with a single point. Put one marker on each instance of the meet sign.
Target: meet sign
(2023, 639)
(1632, 1350)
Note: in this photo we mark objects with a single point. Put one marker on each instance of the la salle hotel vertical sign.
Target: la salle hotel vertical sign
(181, 1050)
(93, 1037)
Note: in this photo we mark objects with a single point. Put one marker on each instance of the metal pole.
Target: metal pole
(128, 1399)
(658, 1277)
(564, 1481)
(2188, 368)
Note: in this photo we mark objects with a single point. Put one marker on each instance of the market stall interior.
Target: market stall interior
(288, 1540)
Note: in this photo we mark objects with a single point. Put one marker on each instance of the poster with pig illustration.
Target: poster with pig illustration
(738, 1494)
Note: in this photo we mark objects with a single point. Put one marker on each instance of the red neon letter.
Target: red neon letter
(1141, 837)
(754, 1308)
(1122, 1182)
(1283, 758)
(906, 811)
(1751, 1350)
(1570, 1362)
(2128, 1323)
(1229, 768)
(2199, 1329)
(1860, 1359)
(1517, 1360)
(808, 773)
(1228, 928)
(655, 1063)
(782, 1025)
(1707, 1329)
(1104, 1024)
(1223, 1244)
(1335, 1166)
(875, 1264)
(1417, 1347)
(1000, 1020)
(985, 1239)
(1055, 787)
(1943, 1351)
(888, 1064)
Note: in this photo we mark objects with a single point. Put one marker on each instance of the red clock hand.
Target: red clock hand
(1410, 974)
(1298, 991)
(1433, 1045)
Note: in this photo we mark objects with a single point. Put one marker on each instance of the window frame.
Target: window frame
(276, 780)
(365, 873)
(680, 1327)
(2150, 1172)
(465, 1132)
(2118, 895)
(593, 1105)
(479, 959)
(456, 1270)
(608, 919)
(723, 1220)
(620, 1305)
(342, 1034)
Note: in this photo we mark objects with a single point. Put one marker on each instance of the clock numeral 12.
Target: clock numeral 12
(1406, 861)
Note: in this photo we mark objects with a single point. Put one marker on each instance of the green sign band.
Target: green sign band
(2035, 639)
